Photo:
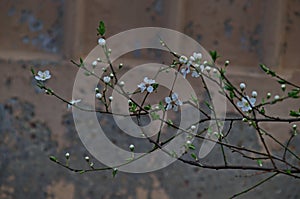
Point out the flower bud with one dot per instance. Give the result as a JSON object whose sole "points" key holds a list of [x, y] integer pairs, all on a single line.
{"points": [[101, 42], [242, 86], [131, 147]]}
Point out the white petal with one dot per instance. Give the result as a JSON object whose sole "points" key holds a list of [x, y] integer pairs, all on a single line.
{"points": [[47, 72], [174, 96], [168, 100], [240, 104], [252, 101], [175, 108], [169, 107], [178, 102], [150, 89], [38, 78], [40, 73]]}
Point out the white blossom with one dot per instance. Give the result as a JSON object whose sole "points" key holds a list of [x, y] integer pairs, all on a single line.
{"points": [[185, 70], [183, 59], [122, 83], [173, 102], [147, 85], [245, 105], [43, 76]]}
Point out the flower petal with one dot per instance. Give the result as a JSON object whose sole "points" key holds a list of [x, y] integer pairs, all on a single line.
{"points": [[174, 96], [150, 89], [168, 100]]}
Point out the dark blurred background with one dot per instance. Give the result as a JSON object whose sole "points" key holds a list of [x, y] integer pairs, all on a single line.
{"points": [[46, 34]]}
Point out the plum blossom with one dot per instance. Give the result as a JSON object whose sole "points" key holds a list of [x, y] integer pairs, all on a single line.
{"points": [[147, 85], [186, 70], [173, 102], [244, 104], [43, 76], [183, 59]]}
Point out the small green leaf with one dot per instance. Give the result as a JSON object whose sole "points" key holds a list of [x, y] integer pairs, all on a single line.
{"points": [[114, 172], [289, 171], [161, 106], [53, 158], [191, 146], [294, 93], [155, 86], [294, 113], [148, 107], [281, 81], [101, 28], [32, 71], [169, 122], [193, 155], [214, 55], [154, 116], [259, 162]]}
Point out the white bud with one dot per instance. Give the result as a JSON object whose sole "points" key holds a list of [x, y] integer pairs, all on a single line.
{"points": [[131, 147], [193, 127], [268, 95], [208, 68], [96, 89], [67, 155], [106, 79], [205, 62], [101, 42], [94, 63], [242, 86], [87, 158], [110, 98], [295, 126], [254, 94], [109, 50], [122, 83], [244, 120], [111, 75], [99, 59], [283, 87], [98, 95], [227, 62], [215, 70], [276, 97], [188, 142]]}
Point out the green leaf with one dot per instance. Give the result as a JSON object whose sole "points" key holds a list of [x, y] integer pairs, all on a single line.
{"points": [[32, 71], [281, 81], [101, 28], [194, 156], [194, 99], [161, 106], [191, 146], [289, 171], [267, 70], [169, 122], [154, 116], [148, 107], [114, 172], [294, 93], [82, 171], [259, 162], [155, 86], [294, 113], [214, 55], [208, 105], [53, 158]]}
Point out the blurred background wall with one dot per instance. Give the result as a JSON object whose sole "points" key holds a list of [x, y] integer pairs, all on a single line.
{"points": [[46, 34]]}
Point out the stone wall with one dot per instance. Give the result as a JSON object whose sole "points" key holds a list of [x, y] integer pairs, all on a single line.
{"points": [[46, 34]]}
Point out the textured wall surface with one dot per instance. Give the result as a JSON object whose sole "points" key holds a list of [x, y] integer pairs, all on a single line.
{"points": [[46, 34]]}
